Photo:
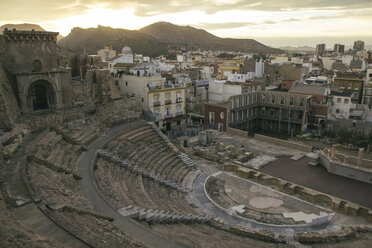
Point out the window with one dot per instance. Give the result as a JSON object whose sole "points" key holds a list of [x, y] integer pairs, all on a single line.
{"points": [[179, 97], [222, 115], [281, 99], [300, 115], [338, 100], [273, 99], [314, 99], [272, 112], [211, 117], [346, 101], [337, 111], [263, 98], [37, 65], [302, 101], [263, 111], [126, 83], [291, 100], [168, 112], [312, 111]]}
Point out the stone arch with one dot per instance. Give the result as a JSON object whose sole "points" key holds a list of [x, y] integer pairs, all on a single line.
{"points": [[41, 94], [37, 66]]}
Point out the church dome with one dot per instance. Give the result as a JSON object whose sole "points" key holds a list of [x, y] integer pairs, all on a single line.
{"points": [[127, 49]]}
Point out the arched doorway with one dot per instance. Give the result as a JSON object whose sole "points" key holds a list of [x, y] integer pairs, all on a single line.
{"points": [[41, 95]]}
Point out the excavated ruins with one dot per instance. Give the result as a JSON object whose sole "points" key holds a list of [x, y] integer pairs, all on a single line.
{"points": [[80, 167]]}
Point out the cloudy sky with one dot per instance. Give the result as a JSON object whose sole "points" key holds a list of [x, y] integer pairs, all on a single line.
{"points": [[274, 22]]}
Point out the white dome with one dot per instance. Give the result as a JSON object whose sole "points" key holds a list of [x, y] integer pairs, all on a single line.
{"points": [[127, 49]]}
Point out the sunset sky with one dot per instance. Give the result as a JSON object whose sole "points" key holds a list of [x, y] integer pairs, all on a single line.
{"points": [[274, 22]]}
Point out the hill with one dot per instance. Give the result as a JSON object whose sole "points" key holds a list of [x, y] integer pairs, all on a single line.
{"points": [[175, 35], [25, 26], [93, 39], [156, 39]]}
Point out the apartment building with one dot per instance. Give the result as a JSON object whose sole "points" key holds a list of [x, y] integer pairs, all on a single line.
{"points": [[349, 82], [318, 108], [226, 67], [339, 105], [166, 100]]}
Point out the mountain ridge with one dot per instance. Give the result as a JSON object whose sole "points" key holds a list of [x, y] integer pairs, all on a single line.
{"points": [[158, 38]]}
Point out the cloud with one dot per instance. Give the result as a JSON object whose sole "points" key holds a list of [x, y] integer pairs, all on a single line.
{"points": [[227, 25], [45, 9]]}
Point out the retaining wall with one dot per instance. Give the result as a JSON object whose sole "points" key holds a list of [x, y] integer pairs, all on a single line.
{"points": [[285, 143], [339, 168], [233, 131]]}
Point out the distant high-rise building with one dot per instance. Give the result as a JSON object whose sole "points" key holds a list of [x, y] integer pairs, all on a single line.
{"points": [[338, 48], [320, 49], [359, 45]]}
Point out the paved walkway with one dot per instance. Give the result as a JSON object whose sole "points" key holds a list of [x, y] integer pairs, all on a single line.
{"points": [[318, 178], [90, 192]]}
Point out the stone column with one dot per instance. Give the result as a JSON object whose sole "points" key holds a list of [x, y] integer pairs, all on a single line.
{"points": [[333, 152], [203, 138], [360, 157]]}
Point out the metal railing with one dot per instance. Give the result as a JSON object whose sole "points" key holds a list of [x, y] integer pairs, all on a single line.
{"points": [[168, 116], [158, 117], [156, 104], [167, 102]]}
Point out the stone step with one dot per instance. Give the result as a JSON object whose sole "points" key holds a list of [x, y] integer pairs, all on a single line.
{"points": [[138, 170], [152, 216]]}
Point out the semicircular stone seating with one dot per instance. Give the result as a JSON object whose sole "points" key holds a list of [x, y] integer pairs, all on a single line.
{"points": [[138, 171], [50, 175]]}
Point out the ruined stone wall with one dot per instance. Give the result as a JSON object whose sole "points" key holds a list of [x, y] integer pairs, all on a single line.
{"points": [[285, 143], [9, 111], [23, 47], [52, 118], [118, 111]]}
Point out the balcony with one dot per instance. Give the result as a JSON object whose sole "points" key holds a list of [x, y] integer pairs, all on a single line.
{"points": [[158, 117], [179, 113], [179, 99], [168, 115], [156, 104], [167, 102]]}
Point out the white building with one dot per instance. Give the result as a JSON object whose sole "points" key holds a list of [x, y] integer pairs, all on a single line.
{"points": [[240, 77], [259, 68], [340, 106], [144, 69], [125, 57], [207, 72], [367, 88], [318, 80], [328, 62], [220, 91]]}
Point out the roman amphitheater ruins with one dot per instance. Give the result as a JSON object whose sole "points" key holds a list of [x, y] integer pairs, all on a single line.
{"points": [[81, 167]]}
